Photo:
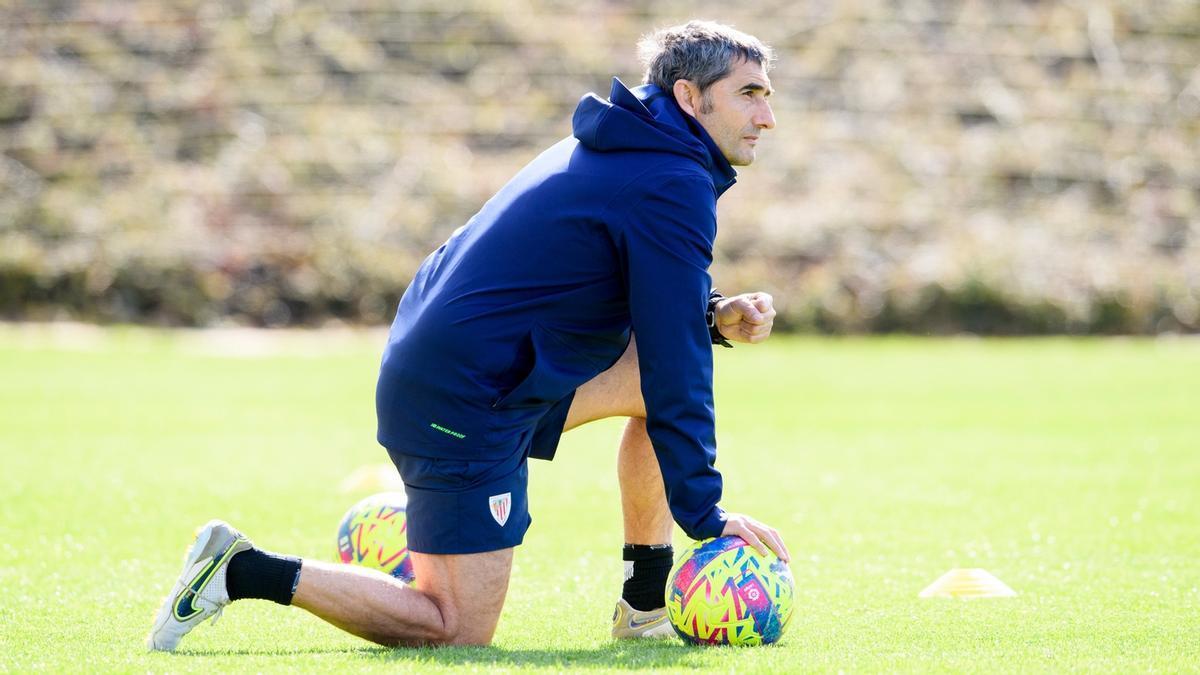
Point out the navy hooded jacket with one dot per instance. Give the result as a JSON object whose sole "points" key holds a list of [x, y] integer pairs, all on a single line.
{"points": [[607, 231]]}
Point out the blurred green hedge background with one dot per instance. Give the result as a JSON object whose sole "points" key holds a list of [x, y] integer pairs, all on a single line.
{"points": [[939, 166]]}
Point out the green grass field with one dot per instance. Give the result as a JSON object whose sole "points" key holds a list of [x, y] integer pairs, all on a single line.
{"points": [[1070, 469]]}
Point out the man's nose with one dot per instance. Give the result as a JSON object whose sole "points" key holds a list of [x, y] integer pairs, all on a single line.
{"points": [[764, 117]]}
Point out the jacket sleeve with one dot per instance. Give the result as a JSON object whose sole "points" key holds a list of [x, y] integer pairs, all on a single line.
{"points": [[667, 245]]}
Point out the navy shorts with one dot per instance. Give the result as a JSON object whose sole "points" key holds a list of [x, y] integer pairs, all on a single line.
{"points": [[472, 506]]}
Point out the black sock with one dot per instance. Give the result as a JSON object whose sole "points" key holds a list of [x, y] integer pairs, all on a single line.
{"points": [[259, 574], [646, 570]]}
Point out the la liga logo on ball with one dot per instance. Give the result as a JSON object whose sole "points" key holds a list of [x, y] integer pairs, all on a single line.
{"points": [[723, 592], [374, 533]]}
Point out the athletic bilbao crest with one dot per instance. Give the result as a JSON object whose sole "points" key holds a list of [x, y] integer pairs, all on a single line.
{"points": [[500, 507]]}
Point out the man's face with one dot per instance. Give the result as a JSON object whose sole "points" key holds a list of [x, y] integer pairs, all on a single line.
{"points": [[734, 111]]}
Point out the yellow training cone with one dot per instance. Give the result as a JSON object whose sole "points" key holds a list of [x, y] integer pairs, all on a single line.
{"points": [[967, 583]]}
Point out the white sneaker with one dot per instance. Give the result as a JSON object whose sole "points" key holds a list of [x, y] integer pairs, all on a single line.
{"points": [[200, 592], [630, 623]]}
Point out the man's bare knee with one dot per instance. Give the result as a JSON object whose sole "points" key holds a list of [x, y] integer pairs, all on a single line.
{"points": [[468, 591], [455, 631], [452, 631]]}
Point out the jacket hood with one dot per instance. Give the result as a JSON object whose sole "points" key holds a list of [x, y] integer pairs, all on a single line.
{"points": [[647, 118]]}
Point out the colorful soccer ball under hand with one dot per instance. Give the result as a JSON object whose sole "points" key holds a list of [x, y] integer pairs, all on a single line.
{"points": [[723, 592], [374, 533]]}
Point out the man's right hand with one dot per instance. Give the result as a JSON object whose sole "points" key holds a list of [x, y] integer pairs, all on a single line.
{"points": [[757, 534]]}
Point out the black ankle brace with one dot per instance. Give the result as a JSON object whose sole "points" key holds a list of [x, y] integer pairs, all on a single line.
{"points": [[646, 570]]}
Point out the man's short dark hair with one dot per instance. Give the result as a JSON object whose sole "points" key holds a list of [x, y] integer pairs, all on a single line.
{"points": [[701, 52]]}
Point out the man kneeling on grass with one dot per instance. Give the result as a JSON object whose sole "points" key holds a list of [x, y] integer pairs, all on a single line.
{"points": [[580, 291]]}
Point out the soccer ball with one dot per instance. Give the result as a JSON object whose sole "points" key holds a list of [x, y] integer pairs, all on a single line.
{"points": [[723, 592], [373, 533]]}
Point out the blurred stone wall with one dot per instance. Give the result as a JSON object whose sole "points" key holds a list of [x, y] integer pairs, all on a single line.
{"points": [[939, 166]]}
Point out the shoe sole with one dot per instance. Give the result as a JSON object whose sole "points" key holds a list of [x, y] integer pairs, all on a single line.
{"points": [[656, 632], [625, 626]]}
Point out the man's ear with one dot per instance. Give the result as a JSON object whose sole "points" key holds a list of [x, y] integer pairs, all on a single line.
{"points": [[687, 95]]}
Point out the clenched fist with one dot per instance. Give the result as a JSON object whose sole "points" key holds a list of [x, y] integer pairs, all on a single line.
{"points": [[746, 318]]}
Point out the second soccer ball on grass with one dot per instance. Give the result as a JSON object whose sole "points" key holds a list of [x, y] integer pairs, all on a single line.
{"points": [[374, 533]]}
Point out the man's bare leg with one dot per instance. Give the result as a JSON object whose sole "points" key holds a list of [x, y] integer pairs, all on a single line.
{"points": [[647, 518], [617, 392], [455, 600], [643, 499]]}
